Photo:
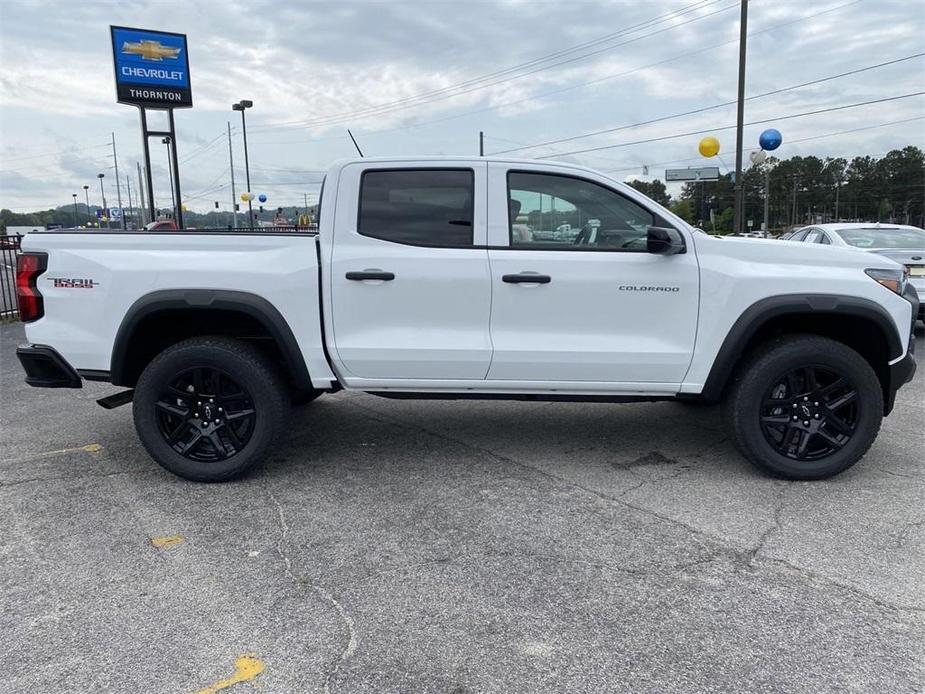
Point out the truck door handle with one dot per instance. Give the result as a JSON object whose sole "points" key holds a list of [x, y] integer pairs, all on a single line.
{"points": [[371, 275], [526, 277]]}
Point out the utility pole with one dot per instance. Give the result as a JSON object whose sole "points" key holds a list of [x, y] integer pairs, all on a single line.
{"points": [[793, 213], [767, 198], [234, 196], [739, 207], [87, 198], [128, 188], [115, 160], [481, 143], [74, 195], [837, 190], [143, 216]]}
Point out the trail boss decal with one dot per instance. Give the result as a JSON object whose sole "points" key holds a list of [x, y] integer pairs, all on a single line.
{"points": [[73, 283]]}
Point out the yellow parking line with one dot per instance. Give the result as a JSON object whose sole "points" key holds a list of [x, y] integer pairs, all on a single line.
{"points": [[167, 541], [246, 668]]}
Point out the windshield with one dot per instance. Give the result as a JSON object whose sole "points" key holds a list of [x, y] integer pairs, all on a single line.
{"points": [[883, 238]]}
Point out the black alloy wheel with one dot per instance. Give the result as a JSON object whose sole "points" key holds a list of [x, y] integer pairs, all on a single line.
{"points": [[803, 407], [205, 415], [810, 413], [210, 408]]}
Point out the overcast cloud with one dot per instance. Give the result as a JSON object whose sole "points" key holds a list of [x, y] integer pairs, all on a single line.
{"points": [[314, 69]]}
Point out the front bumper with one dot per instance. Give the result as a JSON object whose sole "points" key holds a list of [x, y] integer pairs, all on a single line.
{"points": [[45, 368], [919, 285], [904, 370]]}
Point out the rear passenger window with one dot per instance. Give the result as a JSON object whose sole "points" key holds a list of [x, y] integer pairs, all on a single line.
{"points": [[420, 207]]}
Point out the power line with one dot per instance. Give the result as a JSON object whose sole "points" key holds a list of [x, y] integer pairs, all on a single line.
{"points": [[730, 127], [581, 85], [458, 90], [710, 108]]}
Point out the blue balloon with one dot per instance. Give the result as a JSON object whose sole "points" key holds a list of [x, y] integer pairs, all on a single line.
{"points": [[262, 197], [770, 139]]}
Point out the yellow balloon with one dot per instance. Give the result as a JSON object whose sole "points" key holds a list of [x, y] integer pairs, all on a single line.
{"points": [[245, 197], [709, 147]]}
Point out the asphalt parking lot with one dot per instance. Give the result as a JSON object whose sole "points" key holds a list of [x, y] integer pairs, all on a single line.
{"points": [[403, 546]]}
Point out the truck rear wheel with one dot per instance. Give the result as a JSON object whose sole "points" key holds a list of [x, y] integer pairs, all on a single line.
{"points": [[804, 407], [208, 409]]}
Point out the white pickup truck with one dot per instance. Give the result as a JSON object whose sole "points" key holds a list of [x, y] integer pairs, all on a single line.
{"points": [[451, 278]]}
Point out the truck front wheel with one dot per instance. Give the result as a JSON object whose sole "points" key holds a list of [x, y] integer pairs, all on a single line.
{"points": [[208, 408], [804, 407]]}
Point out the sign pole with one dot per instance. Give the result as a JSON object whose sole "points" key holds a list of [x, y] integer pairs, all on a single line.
{"points": [[147, 152], [176, 168]]}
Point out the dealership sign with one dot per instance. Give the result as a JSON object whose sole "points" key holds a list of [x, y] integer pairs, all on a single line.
{"points": [[152, 68]]}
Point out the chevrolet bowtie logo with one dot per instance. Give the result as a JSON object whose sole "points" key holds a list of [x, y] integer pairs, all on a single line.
{"points": [[150, 50]]}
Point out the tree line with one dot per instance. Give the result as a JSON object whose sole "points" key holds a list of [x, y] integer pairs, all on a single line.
{"points": [[807, 190]]}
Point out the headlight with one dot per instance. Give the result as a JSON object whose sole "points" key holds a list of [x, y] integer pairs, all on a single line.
{"points": [[894, 280]]}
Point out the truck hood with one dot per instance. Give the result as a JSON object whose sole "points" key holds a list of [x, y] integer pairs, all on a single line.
{"points": [[792, 253]]}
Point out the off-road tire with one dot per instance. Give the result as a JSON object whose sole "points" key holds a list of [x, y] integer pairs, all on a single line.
{"points": [[747, 402], [241, 364]]}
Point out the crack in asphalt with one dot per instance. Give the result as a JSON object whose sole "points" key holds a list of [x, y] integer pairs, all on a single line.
{"points": [[773, 528], [738, 557], [301, 583]]}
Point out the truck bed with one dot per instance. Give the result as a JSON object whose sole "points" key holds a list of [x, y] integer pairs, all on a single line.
{"points": [[94, 280]]}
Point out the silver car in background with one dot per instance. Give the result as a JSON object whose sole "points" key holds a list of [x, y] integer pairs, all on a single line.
{"points": [[902, 243]]}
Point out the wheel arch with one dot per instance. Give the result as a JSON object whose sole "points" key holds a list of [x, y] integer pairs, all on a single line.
{"points": [[859, 323], [203, 309]]}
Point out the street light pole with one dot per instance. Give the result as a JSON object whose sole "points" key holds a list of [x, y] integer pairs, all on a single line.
{"points": [[87, 197], [739, 207], [74, 195], [103, 195], [241, 106]]}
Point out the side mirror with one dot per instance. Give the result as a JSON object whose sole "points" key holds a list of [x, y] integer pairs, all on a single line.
{"points": [[665, 241]]}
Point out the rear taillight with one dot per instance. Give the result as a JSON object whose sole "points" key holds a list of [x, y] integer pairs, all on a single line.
{"points": [[28, 268]]}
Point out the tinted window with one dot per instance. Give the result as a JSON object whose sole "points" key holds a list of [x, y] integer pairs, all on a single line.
{"points": [[549, 211], [824, 239], [422, 207], [799, 235]]}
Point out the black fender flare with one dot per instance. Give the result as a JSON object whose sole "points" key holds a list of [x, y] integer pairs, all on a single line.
{"points": [[204, 299], [772, 307]]}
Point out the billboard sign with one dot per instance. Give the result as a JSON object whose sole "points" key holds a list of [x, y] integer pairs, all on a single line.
{"points": [[705, 173], [152, 68]]}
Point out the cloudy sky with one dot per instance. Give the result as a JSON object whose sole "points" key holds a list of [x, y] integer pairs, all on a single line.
{"points": [[424, 78]]}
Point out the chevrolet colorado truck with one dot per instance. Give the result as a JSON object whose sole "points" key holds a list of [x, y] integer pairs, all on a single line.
{"points": [[470, 278]]}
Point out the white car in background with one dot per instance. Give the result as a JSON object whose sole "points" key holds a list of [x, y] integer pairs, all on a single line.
{"points": [[902, 243]]}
